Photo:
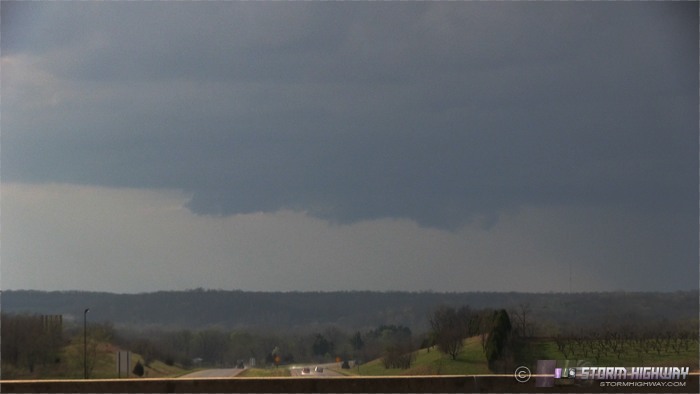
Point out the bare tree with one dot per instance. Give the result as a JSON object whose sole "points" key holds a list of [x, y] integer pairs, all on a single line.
{"points": [[399, 355], [449, 330], [522, 320], [30, 340]]}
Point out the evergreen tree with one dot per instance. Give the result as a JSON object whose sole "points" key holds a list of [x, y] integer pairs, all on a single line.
{"points": [[356, 341], [498, 339], [138, 369]]}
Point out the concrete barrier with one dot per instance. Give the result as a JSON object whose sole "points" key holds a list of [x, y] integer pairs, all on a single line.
{"points": [[413, 384]]}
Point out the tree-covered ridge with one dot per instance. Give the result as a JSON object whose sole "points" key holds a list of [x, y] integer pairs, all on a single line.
{"points": [[352, 310]]}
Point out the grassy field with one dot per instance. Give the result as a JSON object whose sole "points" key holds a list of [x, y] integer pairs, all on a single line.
{"points": [[265, 372], [106, 368], [70, 365], [471, 360]]}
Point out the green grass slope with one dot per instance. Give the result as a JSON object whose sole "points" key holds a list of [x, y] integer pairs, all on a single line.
{"points": [[471, 359], [70, 365]]}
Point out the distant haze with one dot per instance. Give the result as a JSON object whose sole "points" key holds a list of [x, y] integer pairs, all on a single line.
{"points": [[469, 146], [352, 310]]}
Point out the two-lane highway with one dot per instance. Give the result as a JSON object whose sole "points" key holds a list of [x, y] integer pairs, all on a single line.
{"points": [[314, 371], [214, 373]]}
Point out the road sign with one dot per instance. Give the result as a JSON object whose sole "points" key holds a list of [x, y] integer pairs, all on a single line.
{"points": [[123, 363]]}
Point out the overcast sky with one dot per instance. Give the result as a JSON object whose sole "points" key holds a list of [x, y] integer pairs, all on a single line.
{"points": [[465, 146]]}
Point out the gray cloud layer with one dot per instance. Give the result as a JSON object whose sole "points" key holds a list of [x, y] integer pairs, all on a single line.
{"points": [[432, 112]]}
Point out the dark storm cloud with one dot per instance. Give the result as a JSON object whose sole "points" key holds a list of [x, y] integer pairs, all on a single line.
{"points": [[433, 112]]}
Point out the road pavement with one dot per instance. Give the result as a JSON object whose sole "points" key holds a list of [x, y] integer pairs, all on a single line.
{"points": [[297, 370], [214, 373]]}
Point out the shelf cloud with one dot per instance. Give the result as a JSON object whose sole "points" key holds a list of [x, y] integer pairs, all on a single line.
{"points": [[448, 115]]}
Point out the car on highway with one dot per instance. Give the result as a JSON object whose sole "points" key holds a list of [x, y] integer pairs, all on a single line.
{"points": [[306, 371], [318, 369]]}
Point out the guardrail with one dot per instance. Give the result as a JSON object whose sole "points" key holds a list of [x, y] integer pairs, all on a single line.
{"points": [[412, 384]]}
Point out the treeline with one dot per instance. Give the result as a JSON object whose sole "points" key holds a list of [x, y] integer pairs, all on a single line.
{"points": [[29, 342], [356, 310], [40, 345]]}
